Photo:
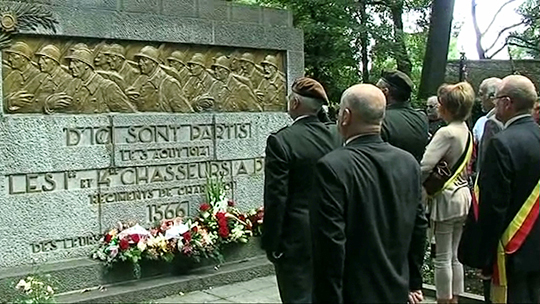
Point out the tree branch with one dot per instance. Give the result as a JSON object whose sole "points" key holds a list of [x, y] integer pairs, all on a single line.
{"points": [[497, 14], [498, 50], [531, 44], [500, 34], [524, 46], [479, 49]]}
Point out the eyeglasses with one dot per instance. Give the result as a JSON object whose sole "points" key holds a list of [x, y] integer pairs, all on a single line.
{"points": [[499, 97]]}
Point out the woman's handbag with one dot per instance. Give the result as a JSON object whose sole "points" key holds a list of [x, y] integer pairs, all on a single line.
{"points": [[442, 174]]}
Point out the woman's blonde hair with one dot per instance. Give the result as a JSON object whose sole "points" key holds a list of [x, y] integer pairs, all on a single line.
{"points": [[457, 99]]}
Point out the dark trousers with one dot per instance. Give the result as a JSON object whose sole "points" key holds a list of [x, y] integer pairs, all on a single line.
{"points": [[295, 280], [487, 291], [523, 287]]}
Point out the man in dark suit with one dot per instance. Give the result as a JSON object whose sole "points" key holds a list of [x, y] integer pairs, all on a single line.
{"points": [[291, 154], [407, 129], [368, 193], [508, 175], [403, 126]]}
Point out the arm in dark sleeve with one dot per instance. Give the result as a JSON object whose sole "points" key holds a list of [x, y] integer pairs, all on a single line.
{"points": [[328, 229], [418, 246], [384, 131], [276, 186], [490, 128], [494, 184]]}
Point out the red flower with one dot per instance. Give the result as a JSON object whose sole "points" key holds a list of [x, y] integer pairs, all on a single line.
{"points": [[230, 203], [223, 232], [194, 229], [204, 207], [187, 236], [135, 238], [108, 238], [124, 244]]}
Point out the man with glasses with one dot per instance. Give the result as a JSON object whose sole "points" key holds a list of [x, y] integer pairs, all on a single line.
{"points": [[508, 208]]}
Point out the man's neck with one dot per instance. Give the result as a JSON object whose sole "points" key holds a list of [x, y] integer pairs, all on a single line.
{"points": [[515, 117]]}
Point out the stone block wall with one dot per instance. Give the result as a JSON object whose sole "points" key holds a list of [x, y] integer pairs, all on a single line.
{"points": [[478, 70], [66, 178]]}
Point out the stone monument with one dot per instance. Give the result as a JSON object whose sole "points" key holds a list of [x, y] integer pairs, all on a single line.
{"points": [[117, 110]]}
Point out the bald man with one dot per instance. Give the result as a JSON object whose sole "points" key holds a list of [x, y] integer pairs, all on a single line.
{"points": [[368, 198], [509, 177]]}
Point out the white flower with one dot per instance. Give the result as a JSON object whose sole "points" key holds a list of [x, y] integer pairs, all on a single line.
{"points": [[50, 290], [141, 246], [21, 284]]}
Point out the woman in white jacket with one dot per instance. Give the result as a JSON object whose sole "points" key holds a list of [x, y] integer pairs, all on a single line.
{"points": [[449, 207]]}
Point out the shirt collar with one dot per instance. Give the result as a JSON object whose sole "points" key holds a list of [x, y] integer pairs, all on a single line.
{"points": [[352, 138], [90, 84], [366, 138], [300, 117], [513, 119], [27, 72], [491, 113]]}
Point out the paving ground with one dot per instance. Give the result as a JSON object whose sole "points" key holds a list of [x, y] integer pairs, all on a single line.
{"points": [[260, 290]]}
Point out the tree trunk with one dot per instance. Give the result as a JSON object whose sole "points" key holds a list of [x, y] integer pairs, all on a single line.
{"points": [[479, 48], [434, 67], [400, 54], [364, 43]]}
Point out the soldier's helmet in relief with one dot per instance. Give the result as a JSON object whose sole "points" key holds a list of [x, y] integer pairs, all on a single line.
{"points": [[222, 61], [270, 60], [176, 56], [50, 51], [116, 49], [20, 48], [82, 55], [149, 52], [198, 59], [248, 57]]}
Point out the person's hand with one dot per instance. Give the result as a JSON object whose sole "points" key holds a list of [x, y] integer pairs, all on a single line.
{"points": [[132, 94], [59, 100], [273, 256], [424, 195], [19, 99], [415, 297]]}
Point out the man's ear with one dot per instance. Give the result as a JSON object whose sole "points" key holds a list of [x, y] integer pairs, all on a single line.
{"points": [[295, 103], [346, 118]]}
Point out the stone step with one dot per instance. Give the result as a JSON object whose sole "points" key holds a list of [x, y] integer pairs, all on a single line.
{"points": [[84, 273], [163, 286]]}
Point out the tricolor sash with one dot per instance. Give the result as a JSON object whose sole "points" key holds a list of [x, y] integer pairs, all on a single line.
{"points": [[513, 237]]}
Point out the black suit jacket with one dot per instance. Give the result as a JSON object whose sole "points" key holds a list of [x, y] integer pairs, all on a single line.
{"points": [[406, 128], [368, 195], [509, 172], [291, 155]]}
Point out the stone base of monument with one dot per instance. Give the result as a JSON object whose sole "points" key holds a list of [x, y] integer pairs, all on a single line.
{"points": [[87, 280]]}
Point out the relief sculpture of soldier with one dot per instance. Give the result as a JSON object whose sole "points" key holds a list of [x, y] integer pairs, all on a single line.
{"points": [[176, 62], [271, 91], [200, 80], [250, 70], [100, 60], [92, 94], [55, 80], [115, 55], [155, 90], [23, 79], [228, 93]]}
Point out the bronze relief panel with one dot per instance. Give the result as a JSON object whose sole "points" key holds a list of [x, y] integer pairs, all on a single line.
{"points": [[90, 76]]}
